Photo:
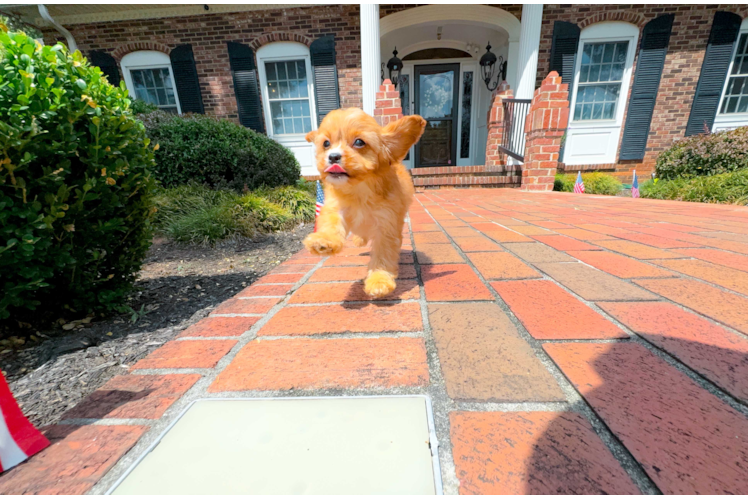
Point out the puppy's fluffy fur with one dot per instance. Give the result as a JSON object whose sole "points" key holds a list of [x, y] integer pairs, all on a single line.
{"points": [[371, 198]]}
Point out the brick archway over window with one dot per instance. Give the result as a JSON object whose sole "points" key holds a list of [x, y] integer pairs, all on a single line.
{"points": [[614, 15], [125, 49], [279, 36]]}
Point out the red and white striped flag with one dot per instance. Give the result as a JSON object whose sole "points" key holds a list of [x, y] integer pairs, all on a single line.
{"points": [[579, 185], [19, 439], [320, 204], [635, 187]]}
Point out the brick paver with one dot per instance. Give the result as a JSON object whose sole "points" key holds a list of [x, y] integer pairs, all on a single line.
{"points": [[220, 326], [439, 253], [501, 266], [246, 306], [325, 363], [186, 354], [591, 284], [76, 460], [570, 268], [537, 252], [733, 260], [484, 358], [725, 307], [619, 265], [719, 355], [719, 275], [688, 441], [453, 282], [311, 320], [313, 293], [536, 453], [549, 312], [134, 396]]}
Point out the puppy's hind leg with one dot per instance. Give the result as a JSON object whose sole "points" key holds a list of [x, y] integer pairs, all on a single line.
{"points": [[384, 263]]}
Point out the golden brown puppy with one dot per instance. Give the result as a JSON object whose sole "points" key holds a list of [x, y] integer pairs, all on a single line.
{"points": [[367, 190]]}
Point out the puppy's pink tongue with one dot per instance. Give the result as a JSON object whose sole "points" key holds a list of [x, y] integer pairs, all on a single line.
{"points": [[335, 169]]}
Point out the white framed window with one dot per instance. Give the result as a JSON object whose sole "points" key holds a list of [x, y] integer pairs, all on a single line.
{"points": [[288, 96], [600, 79], [602, 76], [733, 106], [287, 89], [150, 78]]}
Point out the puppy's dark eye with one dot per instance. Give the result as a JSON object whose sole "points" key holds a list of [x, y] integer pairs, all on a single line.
{"points": [[358, 143], [326, 144]]}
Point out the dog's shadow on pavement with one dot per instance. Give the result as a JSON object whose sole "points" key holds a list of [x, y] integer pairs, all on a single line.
{"points": [[407, 289], [683, 438]]}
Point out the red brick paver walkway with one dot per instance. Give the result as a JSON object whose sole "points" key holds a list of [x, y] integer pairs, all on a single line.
{"points": [[569, 344]]}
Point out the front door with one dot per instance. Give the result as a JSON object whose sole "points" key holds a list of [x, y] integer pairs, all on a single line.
{"points": [[436, 100]]}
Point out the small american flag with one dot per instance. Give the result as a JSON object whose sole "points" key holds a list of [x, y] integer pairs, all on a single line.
{"points": [[320, 203], [579, 185], [635, 187], [19, 439]]}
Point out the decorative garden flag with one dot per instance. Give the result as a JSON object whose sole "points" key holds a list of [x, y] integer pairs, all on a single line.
{"points": [[19, 439], [635, 187], [579, 185], [320, 203]]}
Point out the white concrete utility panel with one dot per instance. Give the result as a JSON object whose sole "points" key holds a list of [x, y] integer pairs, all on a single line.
{"points": [[347, 445]]}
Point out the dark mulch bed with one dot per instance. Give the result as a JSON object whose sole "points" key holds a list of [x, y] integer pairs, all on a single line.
{"points": [[178, 286]]}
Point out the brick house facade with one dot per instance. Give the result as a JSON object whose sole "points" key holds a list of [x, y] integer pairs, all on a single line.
{"points": [[208, 33]]}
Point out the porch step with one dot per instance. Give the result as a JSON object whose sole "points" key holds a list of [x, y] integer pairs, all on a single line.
{"points": [[463, 177], [476, 176], [474, 169]]}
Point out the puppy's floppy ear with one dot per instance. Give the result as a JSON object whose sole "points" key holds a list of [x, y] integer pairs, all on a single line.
{"points": [[311, 136], [399, 136]]}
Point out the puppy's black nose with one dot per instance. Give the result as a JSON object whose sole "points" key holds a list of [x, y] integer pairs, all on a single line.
{"points": [[334, 157]]}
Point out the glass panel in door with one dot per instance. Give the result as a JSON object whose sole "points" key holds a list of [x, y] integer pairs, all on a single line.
{"points": [[436, 92]]}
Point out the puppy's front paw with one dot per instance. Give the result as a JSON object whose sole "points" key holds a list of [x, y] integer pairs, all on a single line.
{"points": [[322, 244], [379, 284]]}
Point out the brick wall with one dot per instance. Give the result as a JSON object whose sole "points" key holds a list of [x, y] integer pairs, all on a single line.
{"points": [[209, 33], [546, 124], [680, 74]]}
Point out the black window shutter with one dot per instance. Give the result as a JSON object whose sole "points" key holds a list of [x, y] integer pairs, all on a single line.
{"points": [[322, 53], [106, 64], [564, 56], [185, 78], [725, 28], [564, 51], [652, 52], [244, 73]]}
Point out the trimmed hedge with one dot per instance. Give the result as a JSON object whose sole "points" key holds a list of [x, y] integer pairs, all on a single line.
{"points": [[594, 183], [75, 185], [219, 153], [706, 154]]}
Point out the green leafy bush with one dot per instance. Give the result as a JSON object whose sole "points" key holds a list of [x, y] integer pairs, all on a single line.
{"points": [[731, 188], [594, 183], [141, 107], [75, 187], [216, 152], [564, 182], [706, 154], [194, 213]]}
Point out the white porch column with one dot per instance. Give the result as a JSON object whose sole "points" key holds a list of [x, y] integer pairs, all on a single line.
{"points": [[529, 42], [370, 55]]}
